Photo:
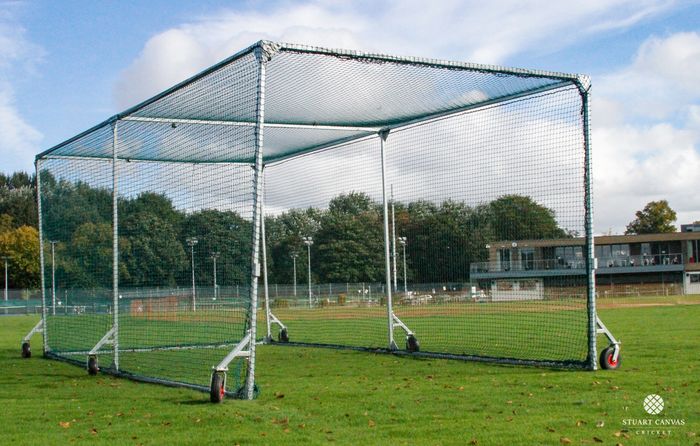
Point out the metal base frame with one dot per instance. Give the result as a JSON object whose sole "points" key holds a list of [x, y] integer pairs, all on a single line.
{"points": [[602, 329], [398, 323], [38, 328], [273, 320]]}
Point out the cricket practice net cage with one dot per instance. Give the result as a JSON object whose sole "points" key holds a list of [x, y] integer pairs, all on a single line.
{"points": [[294, 195]]}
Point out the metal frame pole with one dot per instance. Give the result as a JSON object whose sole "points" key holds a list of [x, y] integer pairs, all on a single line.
{"points": [[191, 241], [393, 237], [266, 290], [308, 241], [294, 260], [262, 55], [590, 258], [41, 254], [115, 247], [387, 254], [53, 277]]}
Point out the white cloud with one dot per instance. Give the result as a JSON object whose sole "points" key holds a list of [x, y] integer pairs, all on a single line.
{"points": [[19, 141], [646, 116], [476, 31], [647, 136]]}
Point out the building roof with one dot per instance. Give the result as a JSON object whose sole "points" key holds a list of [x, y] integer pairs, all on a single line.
{"points": [[314, 98]]}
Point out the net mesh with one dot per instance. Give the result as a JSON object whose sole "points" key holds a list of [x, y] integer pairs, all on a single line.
{"points": [[484, 170]]}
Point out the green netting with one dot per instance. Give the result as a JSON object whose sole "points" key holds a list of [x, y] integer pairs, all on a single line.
{"points": [[483, 173]]}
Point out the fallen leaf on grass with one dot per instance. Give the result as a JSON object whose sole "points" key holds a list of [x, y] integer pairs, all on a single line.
{"points": [[474, 441], [580, 423], [371, 423], [550, 429], [564, 440], [597, 440], [279, 395], [64, 424], [600, 423], [93, 431]]}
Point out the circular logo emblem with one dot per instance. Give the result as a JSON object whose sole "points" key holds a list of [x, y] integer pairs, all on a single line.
{"points": [[653, 404]]}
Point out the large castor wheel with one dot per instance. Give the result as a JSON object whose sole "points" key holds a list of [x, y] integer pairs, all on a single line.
{"points": [[606, 358], [217, 392], [92, 365], [26, 350], [412, 344], [283, 336]]}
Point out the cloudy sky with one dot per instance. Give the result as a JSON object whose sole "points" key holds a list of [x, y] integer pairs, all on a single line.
{"points": [[65, 66]]}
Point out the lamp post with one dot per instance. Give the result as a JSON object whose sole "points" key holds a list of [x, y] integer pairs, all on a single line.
{"points": [[308, 241], [215, 255], [294, 260], [191, 241], [6, 258], [53, 276], [402, 242]]}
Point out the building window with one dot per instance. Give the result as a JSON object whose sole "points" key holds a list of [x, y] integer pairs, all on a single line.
{"points": [[527, 258], [695, 278], [504, 259]]}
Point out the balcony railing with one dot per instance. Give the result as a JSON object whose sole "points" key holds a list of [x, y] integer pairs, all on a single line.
{"points": [[579, 264]]}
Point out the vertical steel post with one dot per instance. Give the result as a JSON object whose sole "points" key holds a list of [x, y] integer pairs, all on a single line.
{"points": [[387, 254], [266, 289], [37, 169], [405, 279], [584, 88], [115, 247], [262, 55], [393, 236], [215, 293], [294, 260], [308, 257], [53, 277]]}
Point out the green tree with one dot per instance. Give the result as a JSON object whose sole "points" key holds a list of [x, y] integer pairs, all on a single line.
{"points": [[21, 245], [284, 234], [657, 217], [349, 244], [224, 232], [516, 217], [18, 199]]}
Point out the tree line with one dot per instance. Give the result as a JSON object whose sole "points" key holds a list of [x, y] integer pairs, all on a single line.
{"points": [[443, 239]]}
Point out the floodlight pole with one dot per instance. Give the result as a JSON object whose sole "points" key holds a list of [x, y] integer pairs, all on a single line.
{"points": [[393, 235], [294, 262], [6, 258], [308, 241], [53, 276], [402, 241], [390, 312], [215, 255], [191, 241]]}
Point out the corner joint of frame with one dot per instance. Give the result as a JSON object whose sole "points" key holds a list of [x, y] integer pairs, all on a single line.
{"points": [[583, 82], [265, 50], [384, 134]]}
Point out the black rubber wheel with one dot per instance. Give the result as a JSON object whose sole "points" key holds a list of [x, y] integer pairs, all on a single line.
{"points": [[412, 344], [283, 336], [26, 350], [92, 366], [606, 359], [217, 390]]}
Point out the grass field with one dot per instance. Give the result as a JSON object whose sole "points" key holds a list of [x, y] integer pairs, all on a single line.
{"points": [[318, 396]]}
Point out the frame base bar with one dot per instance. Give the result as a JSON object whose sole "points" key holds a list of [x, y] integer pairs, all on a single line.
{"points": [[602, 329], [107, 339], [38, 328], [242, 349]]}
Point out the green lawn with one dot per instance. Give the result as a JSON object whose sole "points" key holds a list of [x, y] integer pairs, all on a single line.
{"points": [[317, 396]]}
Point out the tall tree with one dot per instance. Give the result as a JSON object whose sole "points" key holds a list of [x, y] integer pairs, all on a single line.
{"points": [[657, 217], [516, 217], [349, 245], [21, 245]]}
